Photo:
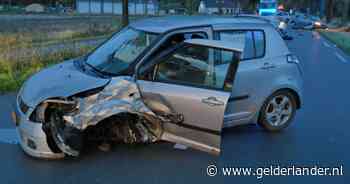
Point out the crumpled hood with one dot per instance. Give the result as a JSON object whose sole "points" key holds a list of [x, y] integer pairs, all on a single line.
{"points": [[61, 80]]}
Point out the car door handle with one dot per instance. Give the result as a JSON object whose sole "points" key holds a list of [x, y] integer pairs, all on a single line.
{"points": [[212, 101]]}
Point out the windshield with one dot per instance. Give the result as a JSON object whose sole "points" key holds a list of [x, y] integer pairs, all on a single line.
{"points": [[120, 51], [268, 5]]}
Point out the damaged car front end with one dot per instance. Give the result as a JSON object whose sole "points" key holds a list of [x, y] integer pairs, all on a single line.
{"points": [[57, 125], [115, 111]]}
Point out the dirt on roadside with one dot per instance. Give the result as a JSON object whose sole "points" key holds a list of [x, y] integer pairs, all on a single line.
{"points": [[340, 29]]}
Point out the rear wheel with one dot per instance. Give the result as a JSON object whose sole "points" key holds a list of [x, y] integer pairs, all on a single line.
{"points": [[278, 111]]}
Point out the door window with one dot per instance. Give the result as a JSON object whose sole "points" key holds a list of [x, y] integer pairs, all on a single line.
{"points": [[177, 38], [194, 65], [254, 42]]}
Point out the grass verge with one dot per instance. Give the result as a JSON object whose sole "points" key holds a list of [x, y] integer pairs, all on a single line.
{"points": [[341, 39]]}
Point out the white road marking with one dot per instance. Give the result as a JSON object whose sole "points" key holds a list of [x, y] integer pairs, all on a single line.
{"points": [[340, 57], [316, 35], [8, 136], [326, 44]]}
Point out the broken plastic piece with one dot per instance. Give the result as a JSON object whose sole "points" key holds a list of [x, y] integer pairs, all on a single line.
{"points": [[180, 147]]}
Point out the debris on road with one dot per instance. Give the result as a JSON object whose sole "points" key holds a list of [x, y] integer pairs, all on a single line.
{"points": [[180, 147]]}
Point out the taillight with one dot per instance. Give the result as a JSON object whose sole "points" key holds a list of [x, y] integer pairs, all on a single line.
{"points": [[292, 59]]}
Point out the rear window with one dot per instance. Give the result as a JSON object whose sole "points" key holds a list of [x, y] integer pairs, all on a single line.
{"points": [[254, 41]]}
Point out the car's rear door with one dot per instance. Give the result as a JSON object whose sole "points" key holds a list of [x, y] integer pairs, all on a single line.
{"points": [[190, 88], [253, 73]]}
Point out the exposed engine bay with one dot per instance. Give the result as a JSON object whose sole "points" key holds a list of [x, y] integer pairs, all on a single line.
{"points": [[113, 114]]}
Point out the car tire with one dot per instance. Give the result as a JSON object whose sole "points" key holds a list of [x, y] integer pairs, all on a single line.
{"points": [[278, 111]]}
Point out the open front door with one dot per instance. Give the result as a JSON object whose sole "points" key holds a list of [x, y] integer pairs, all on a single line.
{"points": [[190, 88]]}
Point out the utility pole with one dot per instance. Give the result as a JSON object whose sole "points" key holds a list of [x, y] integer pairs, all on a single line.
{"points": [[146, 7], [125, 16], [89, 8], [322, 8], [346, 10], [330, 12], [220, 4], [236, 7], [135, 7], [112, 7], [102, 7]]}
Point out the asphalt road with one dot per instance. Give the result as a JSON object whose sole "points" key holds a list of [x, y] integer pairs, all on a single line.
{"points": [[318, 136]]}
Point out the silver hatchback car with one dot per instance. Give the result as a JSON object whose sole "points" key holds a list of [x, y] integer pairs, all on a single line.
{"points": [[179, 79]]}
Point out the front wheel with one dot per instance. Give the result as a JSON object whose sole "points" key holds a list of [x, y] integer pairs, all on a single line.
{"points": [[278, 111]]}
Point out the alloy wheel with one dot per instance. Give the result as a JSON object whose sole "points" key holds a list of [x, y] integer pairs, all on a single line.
{"points": [[278, 110]]}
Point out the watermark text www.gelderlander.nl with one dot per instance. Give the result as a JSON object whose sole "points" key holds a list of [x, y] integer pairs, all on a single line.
{"points": [[260, 172]]}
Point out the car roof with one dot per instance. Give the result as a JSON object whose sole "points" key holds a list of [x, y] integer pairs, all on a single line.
{"points": [[167, 23], [232, 46]]}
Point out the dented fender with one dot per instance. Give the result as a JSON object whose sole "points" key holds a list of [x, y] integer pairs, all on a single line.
{"points": [[121, 95]]}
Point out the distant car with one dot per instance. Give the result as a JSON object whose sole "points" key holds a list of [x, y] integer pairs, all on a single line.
{"points": [[318, 23], [180, 79]]}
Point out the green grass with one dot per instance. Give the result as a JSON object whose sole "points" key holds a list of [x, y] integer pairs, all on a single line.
{"points": [[19, 31], [24, 40], [30, 44], [341, 39], [13, 73]]}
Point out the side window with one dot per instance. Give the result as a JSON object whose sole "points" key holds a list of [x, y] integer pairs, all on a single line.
{"points": [[254, 42], [180, 37], [195, 35], [192, 65]]}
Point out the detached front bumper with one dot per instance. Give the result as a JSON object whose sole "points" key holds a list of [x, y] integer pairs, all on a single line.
{"points": [[32, 138]]}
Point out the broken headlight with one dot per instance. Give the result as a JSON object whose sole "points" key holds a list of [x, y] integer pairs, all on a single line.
{"points": [[67, 106], [42, 110]]}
